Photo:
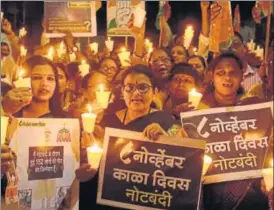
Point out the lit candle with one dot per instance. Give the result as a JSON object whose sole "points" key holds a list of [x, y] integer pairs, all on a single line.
{"points": [[188, 35], [23, 51], [88, 120], [259, 52], [102, 96], [251, 45], [22, 32], [94, 154], [50, 53], [195, 50], [124, 57], [109, 44], [22, 82], [94, 47], [72, 57], [207, 163], [268, 176], [194, 97], [84, 68], [4, 127]]}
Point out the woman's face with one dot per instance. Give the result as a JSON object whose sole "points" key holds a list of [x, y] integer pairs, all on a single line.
{"points": [[161, 64], [109, 68], [180, 85], [227, 77], [138, 92], [197, 64], [62, 80], [43, 82], [93, 85], [178, 54]]}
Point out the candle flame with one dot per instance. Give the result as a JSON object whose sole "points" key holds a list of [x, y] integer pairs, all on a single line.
{"points": [[21, 73], [189, 28], [62, 45], [123, 49], [207, 159], [195, 49], [150, 50], [147, 41], [83, 62], [50, 52], [101, 88], [193, 90], [95, 148], [89, 108]]}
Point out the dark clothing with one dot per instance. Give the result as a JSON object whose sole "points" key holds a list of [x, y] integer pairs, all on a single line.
{"points": [[88, 190], [233, 195]]}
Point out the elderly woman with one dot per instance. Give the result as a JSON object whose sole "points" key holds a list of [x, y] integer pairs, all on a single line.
{"points": [[226, 91], [138, 88]]}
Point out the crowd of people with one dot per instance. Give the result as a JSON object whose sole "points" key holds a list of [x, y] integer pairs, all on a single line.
{"points": [[147, 96]]}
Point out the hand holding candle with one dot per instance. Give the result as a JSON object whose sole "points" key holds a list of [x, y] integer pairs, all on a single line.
{"points": [[89, 120], [23, 51], [194, 97], [94, 47], [124, 57], [103, 96], [22, 82], [207, 163], [94, 154], [268, 176], [84, 68]]}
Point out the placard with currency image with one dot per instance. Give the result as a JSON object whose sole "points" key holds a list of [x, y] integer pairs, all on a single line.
{"points": [[239, 139], [136, 173]]}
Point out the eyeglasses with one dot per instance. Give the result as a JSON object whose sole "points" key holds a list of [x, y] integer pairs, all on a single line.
{"points": [[161, 59], [142, 88]]}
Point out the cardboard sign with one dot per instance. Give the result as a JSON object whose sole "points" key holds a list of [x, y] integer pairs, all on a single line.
{"points": [[165, 174], [238, 139], [48, 153], [118, 16], [76, 17]]}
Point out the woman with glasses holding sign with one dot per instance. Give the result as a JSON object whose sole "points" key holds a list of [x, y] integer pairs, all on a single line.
{"points": [[138, 89]]}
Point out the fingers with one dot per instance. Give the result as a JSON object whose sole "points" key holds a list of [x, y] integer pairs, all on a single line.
{"points": [[154, 131]]}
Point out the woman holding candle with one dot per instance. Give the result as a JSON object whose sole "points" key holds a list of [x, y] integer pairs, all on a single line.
{"points": [[227, 71], [109, 67], [183, 79], [138, 88]]}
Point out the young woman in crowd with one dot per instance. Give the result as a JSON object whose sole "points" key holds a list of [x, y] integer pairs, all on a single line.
{"points": [[138, 90], [183, 79], [227, 71], [179, 54]]}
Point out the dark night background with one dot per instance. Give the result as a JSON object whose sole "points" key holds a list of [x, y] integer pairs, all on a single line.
{"points": [[186, 10]]}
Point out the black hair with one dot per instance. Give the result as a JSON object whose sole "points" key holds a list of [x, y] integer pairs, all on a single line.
{"points": [[140, 69], [86, 78], [73, 69], [162, 49], [63, 68], [226, 55], [115, 61], [185, 50], [185, 68], [54, 103], [4, 43], [200, 58]]}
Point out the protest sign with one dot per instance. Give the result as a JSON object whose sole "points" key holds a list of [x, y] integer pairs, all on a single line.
{"points": [[118, 16], [76, 17], [238, 139], [139, 174], [47, 156]]}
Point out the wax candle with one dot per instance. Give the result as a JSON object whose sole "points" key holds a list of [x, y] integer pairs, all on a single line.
{"points": [[207, 163], [4, 126], [268, 176], [89, 120], [22, 32], [251, 45], [124, 57], [61, 50], [94, 154], [72, 57], [194, 97], [23, 51], [50, 53], [84, 68], [103, 96], [260, 52], [188, 35], [109, 44], [94, 47], [22, 82]]}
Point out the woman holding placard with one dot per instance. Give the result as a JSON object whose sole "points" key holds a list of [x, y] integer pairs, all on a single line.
{"points": [[227, 71], [138, 89]]}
